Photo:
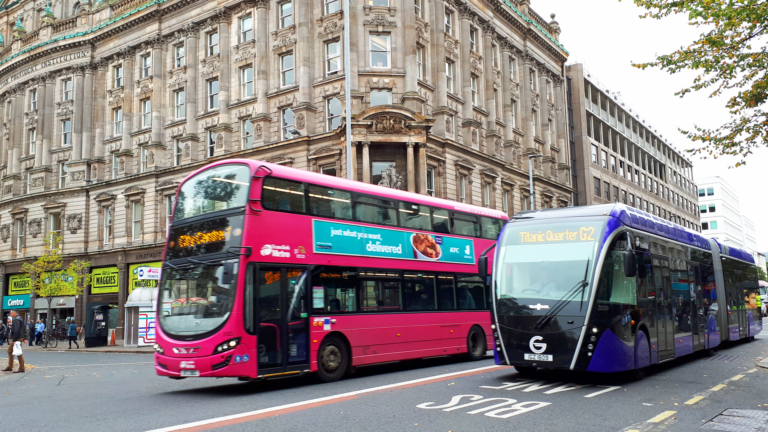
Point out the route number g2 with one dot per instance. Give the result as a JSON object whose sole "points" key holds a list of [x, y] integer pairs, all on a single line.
{"points": [[587, 233]]}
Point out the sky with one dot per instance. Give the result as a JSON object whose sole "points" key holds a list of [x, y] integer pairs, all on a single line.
{"points": [[607, 36]]}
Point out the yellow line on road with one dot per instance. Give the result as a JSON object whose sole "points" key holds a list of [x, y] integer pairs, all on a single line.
{"points": [[753, 370], [737, 377], [717, 387], [694, 400], [662, 416]]}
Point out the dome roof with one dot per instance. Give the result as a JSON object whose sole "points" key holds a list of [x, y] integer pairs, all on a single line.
{"points": [[142, 296]]}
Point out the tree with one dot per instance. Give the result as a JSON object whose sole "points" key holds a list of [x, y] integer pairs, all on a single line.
{"points": [[51, 278], [761, 273], [728, 57]]}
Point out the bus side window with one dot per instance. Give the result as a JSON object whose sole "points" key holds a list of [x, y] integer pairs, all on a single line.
{"points": [[470, 292], [441, 221], [329, 202], [283, 195], [419, 291], [380, 296], [334, 290], [415, 216], [446, 296], [375, 211], [491, 227], [466, 225]]}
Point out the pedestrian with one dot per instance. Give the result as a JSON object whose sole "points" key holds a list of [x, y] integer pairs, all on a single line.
{"points": [[3, 331], [72, 332], [17, 334], [39, 330], [31, 331]]}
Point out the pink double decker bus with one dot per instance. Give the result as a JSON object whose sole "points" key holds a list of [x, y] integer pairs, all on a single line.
{"points": [[270, 271]]}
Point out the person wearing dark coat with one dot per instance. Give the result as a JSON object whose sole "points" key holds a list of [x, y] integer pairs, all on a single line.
{"points": [[17, 333]]}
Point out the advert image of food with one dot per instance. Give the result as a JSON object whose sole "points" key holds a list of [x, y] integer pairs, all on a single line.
{"points": [[425, 245]]}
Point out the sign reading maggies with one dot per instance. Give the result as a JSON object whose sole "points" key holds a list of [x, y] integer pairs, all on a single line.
{"points": [[64, 58], [105, 280], [19, 284]]}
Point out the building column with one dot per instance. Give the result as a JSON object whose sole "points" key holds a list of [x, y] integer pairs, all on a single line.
{"points": [[3, 140], [225, 47], [467, 14], [526, 107], [77, 116], [411, 98], [366, 162], [192, 33], [159, 102], [100, 101], [18, 130], [354, 160], [546, 131], [49, 119], [561, 124], [506, 90], [262, 60], [423, 168], [122, 296], [441, 97], [410, 166], [40, 123], [128, 114], [489, 31], [88, 113]]}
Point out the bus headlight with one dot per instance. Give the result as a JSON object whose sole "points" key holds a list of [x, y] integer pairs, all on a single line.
{"points": [[493, 326], [595, 330], [227, 346], [158, 349]]}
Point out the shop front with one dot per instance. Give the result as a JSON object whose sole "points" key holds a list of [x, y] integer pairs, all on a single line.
{"points": [[62, 309], [20, 303], [101, 308]]}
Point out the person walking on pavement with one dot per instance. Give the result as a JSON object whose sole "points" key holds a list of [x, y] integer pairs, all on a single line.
{"points": [[31, 331], [3, 331], [39, 330], [17, 334], [72, 332]]}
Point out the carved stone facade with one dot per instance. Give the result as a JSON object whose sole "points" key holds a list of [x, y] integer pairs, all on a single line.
{"points": [[120, 112]]}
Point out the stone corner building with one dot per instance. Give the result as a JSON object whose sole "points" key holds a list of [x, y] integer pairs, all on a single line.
{"points": [[107, 106]]}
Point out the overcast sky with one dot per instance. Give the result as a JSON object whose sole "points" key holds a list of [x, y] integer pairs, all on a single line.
{"points": [[606, 36]]}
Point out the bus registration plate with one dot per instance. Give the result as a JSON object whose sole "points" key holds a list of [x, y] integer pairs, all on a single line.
{"points": [[538, 357], [190, 373]]}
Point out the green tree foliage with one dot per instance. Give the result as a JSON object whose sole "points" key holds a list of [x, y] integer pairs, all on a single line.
{"points": [[51, 278], [761, 274], [729, 57]]}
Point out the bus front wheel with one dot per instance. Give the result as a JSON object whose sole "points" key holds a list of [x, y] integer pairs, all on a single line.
{"points": [[332, 359], [476, 345]]}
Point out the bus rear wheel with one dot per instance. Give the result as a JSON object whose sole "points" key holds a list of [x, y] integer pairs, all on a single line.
{"points": [[332, 359], [476, 345]]}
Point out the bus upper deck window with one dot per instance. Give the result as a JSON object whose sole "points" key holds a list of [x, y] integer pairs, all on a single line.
{"points": [[283, 195], [415, 216]]}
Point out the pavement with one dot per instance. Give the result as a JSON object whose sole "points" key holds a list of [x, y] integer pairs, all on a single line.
{"points": [[96, 391], [64, 346]]}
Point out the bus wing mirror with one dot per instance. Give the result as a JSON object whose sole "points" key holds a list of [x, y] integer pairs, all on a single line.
{"points": [[227, 275], [630, 265], [482, 266]]}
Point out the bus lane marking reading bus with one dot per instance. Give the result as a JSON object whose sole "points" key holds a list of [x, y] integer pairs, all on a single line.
{"points": [[529, 385], [506, 408]]}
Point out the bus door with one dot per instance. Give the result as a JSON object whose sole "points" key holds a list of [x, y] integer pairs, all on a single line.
{"points": [[282, 320], [698, 317], [664, 315], [741, 296]]}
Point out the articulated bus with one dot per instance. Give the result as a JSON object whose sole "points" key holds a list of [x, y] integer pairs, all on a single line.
{"points": [[270, 271], [608, 288]]}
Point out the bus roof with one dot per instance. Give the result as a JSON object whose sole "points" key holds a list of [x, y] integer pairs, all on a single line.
{"points": [[360, 187], [734, 252], [629, 216]]}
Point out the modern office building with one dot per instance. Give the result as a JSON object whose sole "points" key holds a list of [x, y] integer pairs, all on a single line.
{"points": [[107, 106], [620, 157], [722, 217]]}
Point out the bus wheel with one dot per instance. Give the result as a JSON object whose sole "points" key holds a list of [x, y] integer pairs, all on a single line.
{"points": [[710, 352], [476, 345], [332, 359], [639, 374]]}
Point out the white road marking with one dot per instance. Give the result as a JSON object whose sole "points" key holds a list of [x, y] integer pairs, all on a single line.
{"points": [[91, 365], [607, 389], [322, 399]]}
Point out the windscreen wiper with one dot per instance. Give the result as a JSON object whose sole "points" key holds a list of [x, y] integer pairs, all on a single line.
{"points": [[547, 317]]}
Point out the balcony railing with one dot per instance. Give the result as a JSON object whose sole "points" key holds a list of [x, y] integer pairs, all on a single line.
{"points": [[64, 25]]}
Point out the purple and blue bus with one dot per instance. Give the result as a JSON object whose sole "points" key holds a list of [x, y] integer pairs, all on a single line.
{"points": [[609, 288]]}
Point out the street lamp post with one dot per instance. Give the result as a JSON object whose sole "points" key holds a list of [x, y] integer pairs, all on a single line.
{"points": [[531, 157]]}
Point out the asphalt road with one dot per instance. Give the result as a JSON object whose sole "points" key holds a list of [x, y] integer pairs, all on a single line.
{"points": [[71, 391]]}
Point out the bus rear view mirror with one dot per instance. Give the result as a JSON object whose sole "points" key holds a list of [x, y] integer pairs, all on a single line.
{"points": [[227, 274], [630, 264], [482, 266]]}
